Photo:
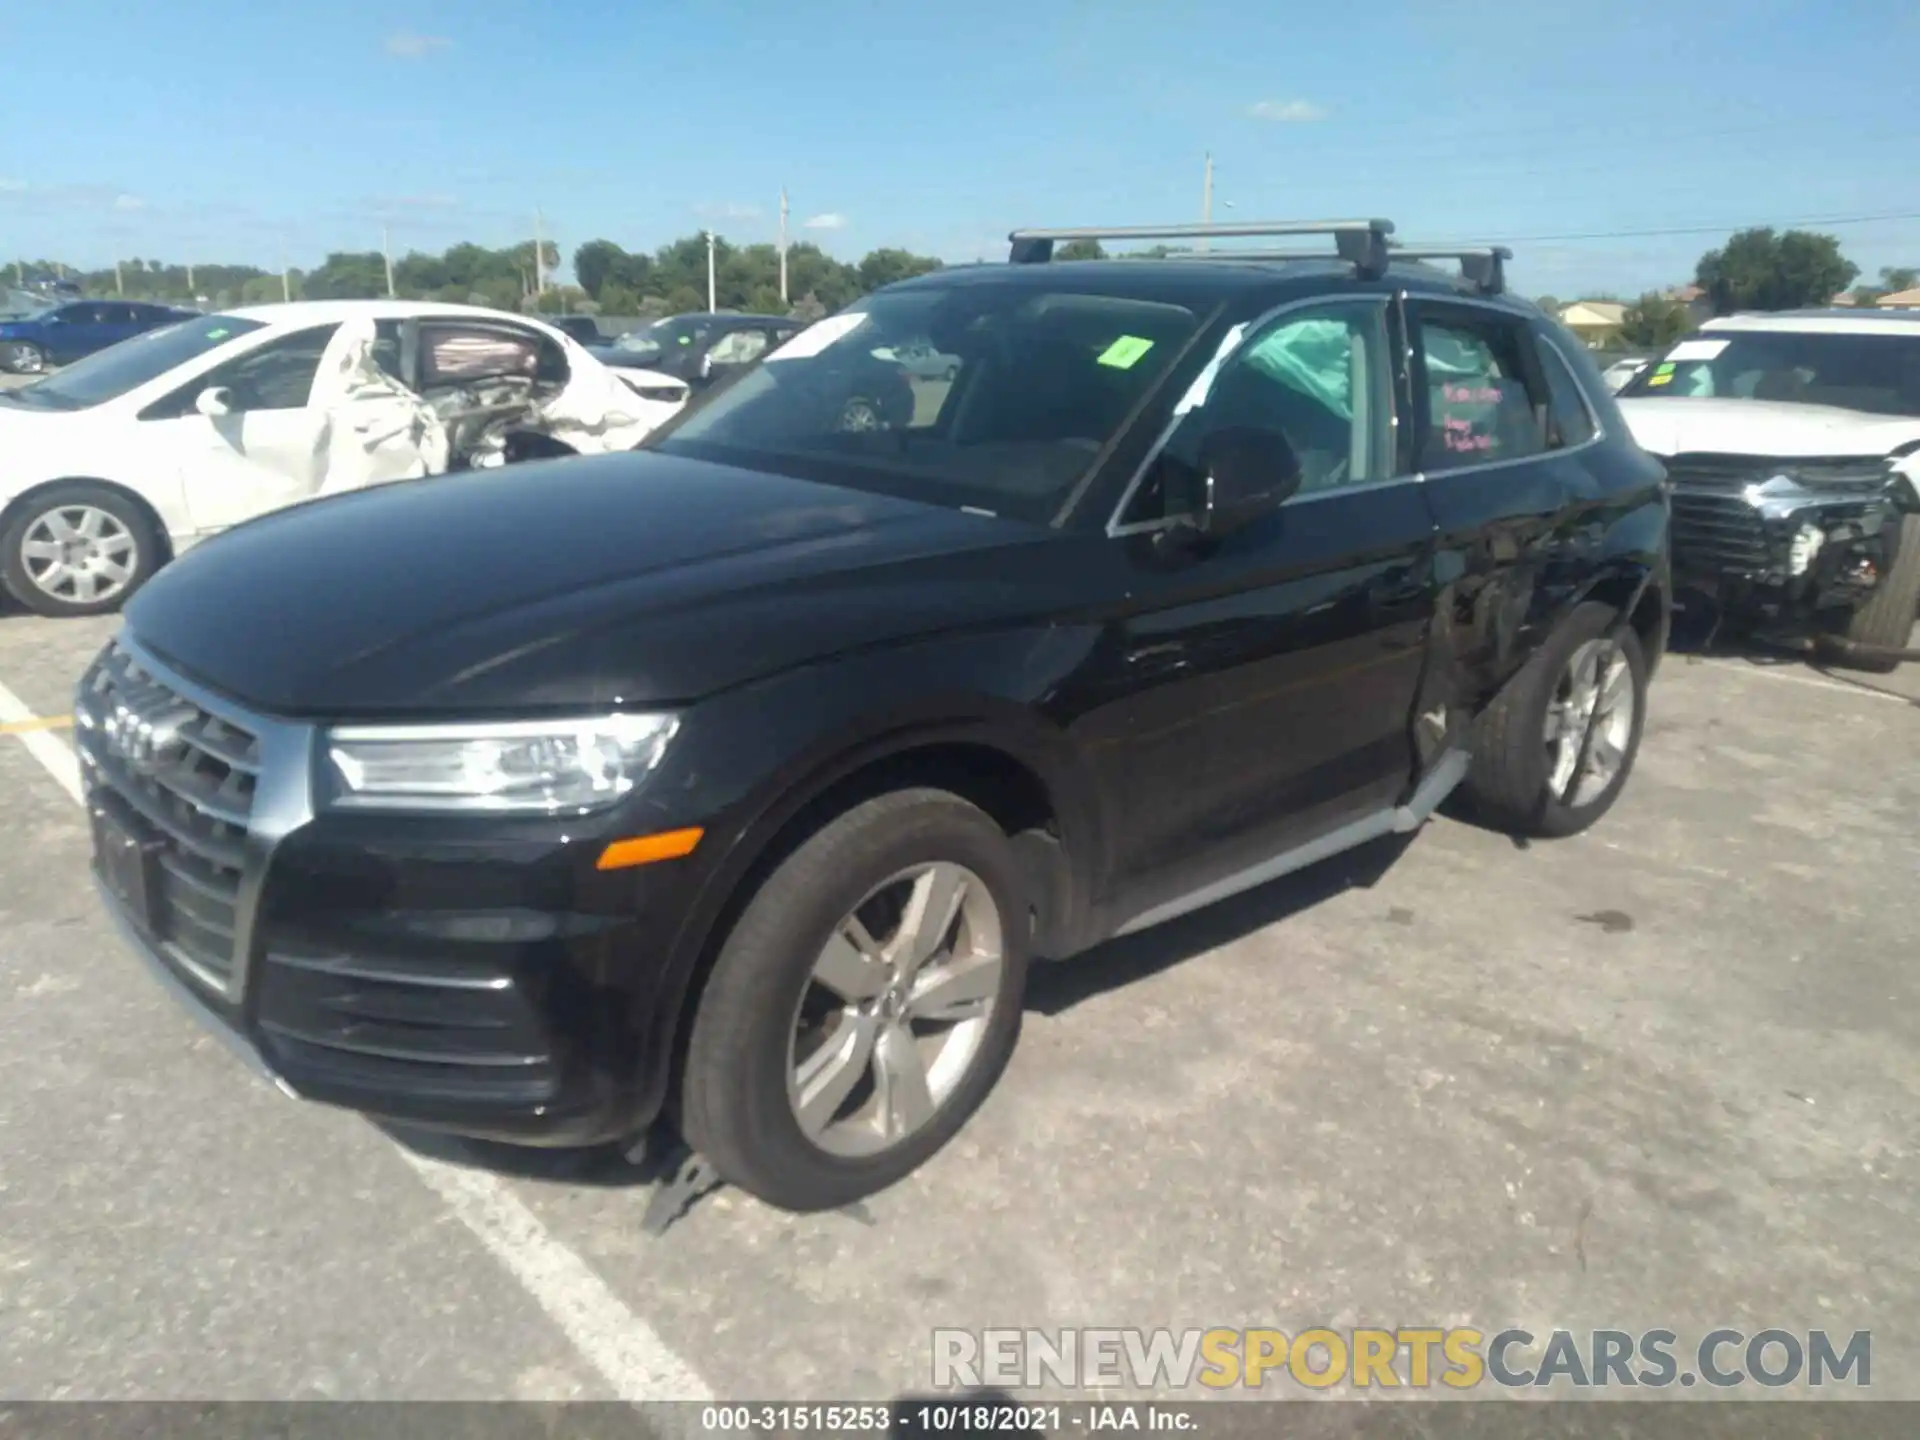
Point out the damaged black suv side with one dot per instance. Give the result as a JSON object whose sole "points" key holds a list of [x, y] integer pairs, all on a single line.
{"points": [[740, 779]]}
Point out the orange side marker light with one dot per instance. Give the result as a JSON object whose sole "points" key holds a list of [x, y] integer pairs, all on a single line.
{"points": [[645, 849]]}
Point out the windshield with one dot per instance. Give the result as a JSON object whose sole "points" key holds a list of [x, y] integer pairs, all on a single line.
{"points": [[1879, 374], [108, 374], [23, 304], [1039, 382], [660, 337]]}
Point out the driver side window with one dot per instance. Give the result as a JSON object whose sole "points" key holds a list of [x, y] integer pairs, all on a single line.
{"points": [[275, 376], [1319, 376]]}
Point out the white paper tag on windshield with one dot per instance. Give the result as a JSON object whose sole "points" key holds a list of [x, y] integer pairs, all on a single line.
{"points": [[816, 337], [1697, 350]]}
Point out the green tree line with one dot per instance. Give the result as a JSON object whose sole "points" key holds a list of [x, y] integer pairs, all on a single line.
{"points": [[609, 279]]}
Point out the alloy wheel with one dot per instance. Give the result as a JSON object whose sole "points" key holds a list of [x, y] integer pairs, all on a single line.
{"points": [[79, 553], [895, 1010], [1595, 693]]}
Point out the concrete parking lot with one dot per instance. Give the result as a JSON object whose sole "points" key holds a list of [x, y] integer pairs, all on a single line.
{"points": [[1663, 1075]]}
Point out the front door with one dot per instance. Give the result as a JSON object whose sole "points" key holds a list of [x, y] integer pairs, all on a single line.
{"points": [[267, 451], [1268, 679]]}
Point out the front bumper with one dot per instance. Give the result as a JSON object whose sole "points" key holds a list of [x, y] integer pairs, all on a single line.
{"points": [[1785, 555], [482, 977]]}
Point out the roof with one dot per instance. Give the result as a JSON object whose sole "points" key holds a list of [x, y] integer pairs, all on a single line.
{"points": [[319, 312], [1182, 280], [1900, 297], [1862, 321]]}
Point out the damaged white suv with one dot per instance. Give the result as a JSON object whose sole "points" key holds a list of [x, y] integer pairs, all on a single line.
{"points": [[111, 466]]}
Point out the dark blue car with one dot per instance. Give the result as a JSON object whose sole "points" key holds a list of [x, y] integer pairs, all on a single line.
{"points": [[32, 339]]}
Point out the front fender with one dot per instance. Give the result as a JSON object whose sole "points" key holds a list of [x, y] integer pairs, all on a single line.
{"points": [[821, 723]]}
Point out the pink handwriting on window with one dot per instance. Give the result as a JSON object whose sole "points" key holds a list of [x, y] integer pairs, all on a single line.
{"points": [[1470, 395], [1462, 441]]}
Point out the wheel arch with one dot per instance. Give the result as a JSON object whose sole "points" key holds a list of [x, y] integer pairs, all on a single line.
{"points": [[22, 502], [984, 764]]}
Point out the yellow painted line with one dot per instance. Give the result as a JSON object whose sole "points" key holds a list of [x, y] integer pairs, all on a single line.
{"points": [[37, 723]]}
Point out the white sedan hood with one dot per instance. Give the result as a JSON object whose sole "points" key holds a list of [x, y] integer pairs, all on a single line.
{"points": [[1679, 425]]}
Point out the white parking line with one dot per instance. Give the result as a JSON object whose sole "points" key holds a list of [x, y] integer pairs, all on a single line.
{"points": [[56, 757], [629, 1354], [1769, 672]]}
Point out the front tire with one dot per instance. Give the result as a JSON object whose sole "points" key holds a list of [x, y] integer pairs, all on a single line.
{"points": [[863, 1006], [23, 357], [78, 549], [1527, 743], [1885, 622]]}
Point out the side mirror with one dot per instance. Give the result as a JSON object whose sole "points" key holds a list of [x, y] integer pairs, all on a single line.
{"points": [[1249, 472], [214, 401]]}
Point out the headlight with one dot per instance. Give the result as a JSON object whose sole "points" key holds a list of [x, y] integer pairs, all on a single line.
{"points": [[529, 767]]}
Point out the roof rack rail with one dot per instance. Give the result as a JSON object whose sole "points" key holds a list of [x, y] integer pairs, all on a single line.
{"points": [[1484, 267], [1361, 243]]}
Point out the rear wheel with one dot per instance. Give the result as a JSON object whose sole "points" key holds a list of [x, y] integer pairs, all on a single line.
{"points": [[78, 549], [863, 1006], [1553, 751], [1885, 622]]}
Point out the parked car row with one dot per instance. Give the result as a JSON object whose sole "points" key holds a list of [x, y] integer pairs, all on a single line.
{"points": [[742, 778]]}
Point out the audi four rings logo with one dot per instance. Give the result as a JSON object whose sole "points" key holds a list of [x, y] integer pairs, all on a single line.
{"points": [[146, 738]]}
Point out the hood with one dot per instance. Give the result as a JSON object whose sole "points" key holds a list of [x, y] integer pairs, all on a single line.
{"points": [[1679, 425], [636, 579]]}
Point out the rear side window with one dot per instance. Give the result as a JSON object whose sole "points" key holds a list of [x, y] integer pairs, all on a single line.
{"points": [[1569, 421], [1480, 409]]}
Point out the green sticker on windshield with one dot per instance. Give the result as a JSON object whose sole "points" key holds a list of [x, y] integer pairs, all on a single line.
{"points": [[686, 339], [1125, 353], [219, 334], [1665, 369]]}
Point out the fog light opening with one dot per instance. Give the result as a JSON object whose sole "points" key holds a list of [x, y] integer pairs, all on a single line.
{"points": [[1807, 541]]}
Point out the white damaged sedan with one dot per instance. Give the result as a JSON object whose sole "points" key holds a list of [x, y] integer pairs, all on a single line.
{"points": [[113, 465]]}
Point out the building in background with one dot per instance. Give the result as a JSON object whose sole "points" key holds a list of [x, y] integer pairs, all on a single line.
{"points": [[1597, 322]]}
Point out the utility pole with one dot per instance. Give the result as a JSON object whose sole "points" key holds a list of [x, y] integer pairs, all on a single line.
{"points": [[1206, 200], [539, 255], [386, 249], [286, 279], [119, 281], [193, 292], [711, 297], [783, 244]]}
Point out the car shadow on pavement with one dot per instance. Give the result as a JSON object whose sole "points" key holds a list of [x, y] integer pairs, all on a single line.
{"points": [[1054, 987]]}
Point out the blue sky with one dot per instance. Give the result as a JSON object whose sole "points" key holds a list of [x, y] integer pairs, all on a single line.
{"points": [[229, 130]]}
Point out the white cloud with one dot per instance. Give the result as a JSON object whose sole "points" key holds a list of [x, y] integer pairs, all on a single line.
{"points": [[11, 186], [128, 202], [828, 221], [1290, 112], [407, 46]]}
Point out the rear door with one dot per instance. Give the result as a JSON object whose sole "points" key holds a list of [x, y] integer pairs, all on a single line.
{"points": [[1514, 503]]}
